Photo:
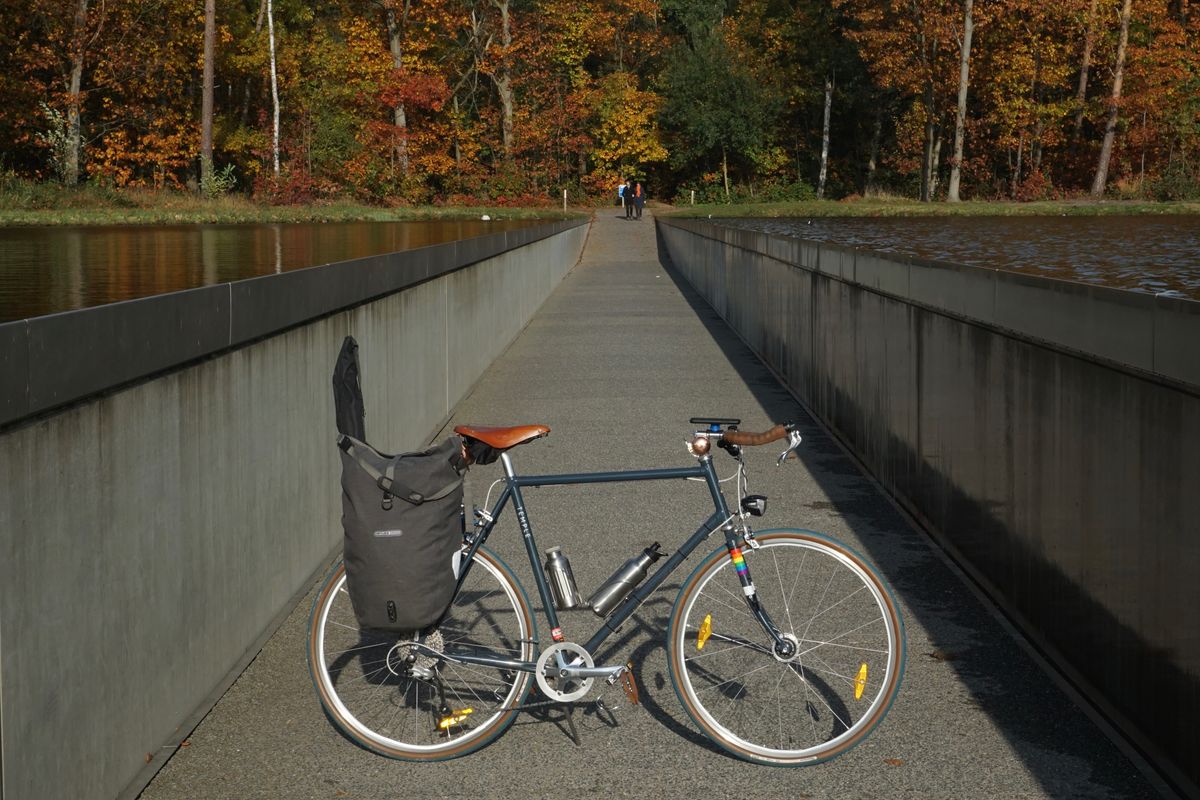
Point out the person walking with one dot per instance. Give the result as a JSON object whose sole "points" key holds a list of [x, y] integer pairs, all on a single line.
{"points": [[629, 203], [639, 200]]}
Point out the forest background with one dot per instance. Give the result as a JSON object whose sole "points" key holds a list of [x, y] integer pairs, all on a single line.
{"points": [[402, 102]]}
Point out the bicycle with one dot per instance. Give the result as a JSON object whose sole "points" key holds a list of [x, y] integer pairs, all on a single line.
{"points": [[784, 646]]}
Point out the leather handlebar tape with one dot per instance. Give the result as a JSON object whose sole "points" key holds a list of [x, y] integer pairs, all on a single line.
{"points": [[753, 439]]}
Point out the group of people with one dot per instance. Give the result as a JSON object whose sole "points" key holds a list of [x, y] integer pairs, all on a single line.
{"points": [[632, 197]]}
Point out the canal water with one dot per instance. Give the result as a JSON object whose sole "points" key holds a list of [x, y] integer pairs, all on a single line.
{"points": [[44, 270], [1154, 254]]}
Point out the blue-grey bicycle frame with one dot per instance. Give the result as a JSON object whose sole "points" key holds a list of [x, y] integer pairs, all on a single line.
{"points": [[512, 491]]}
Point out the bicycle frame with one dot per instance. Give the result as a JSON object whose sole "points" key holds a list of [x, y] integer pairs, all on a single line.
{"points": [[721, 518]]}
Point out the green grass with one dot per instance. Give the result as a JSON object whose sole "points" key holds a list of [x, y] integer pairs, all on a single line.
{"points": [[25, 202], [899, 207], [28, 203]]}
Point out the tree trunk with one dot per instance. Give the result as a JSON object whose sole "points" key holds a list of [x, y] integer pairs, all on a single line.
{"points": [[396, 24], [70, 166], [1039, 125], [274, 90], [825, 140], [1114, 105], [927, 155], [935, 162], [725, 170], [960, 117], [457, 141], [503, 79], [1016, 176], [206, 98], [1089, 40], [873, 159], [928, 56]]}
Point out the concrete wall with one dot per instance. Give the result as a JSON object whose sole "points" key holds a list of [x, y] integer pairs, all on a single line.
{"points": [[1046, 432], [151, 535]]}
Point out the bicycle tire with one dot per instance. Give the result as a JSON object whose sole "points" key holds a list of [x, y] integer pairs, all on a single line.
{"points": [[371, 699], [793, 712]]}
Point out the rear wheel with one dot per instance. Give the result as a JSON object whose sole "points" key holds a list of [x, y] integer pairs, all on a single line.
{"points": [[411, 702], [776, 708]]}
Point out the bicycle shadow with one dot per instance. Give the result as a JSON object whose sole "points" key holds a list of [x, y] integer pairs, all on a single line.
{"points": [[646, 635]]}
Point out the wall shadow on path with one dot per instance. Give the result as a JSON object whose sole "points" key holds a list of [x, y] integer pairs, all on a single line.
{"points": [[1028, 709]]}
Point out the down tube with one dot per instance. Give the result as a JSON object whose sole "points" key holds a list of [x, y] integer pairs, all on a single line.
{"points": [[639, 595]]}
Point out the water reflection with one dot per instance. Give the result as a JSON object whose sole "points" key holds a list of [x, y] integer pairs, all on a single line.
{"points": [[51, 269], [1155, 254]]}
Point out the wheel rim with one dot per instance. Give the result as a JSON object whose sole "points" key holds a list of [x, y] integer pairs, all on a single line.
{"points": [[395, 714], [797, 709]]}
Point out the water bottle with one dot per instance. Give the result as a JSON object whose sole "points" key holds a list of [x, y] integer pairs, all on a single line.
{"points": [[618, 587], [562, 581]]}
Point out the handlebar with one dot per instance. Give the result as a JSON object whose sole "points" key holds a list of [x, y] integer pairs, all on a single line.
{"points": [[732, 440], [745, 438]]}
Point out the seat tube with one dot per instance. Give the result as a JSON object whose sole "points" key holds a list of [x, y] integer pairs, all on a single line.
{"points": [[539, 575]]}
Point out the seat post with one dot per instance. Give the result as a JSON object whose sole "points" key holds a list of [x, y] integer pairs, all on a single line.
{"points": [[506, 462]]}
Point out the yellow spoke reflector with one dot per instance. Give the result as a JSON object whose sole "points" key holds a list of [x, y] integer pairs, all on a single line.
{"points": [[455, 718], [705, 632], [860, 682]]}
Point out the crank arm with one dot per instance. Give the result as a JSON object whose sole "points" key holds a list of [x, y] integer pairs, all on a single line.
{"points": [[579, 673]]}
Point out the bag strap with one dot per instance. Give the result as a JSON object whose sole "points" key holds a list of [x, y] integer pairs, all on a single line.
{"points": [[386, 480]]}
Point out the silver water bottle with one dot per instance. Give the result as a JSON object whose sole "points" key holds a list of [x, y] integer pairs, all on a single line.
{"points": [[562, 582], [618, 587]]}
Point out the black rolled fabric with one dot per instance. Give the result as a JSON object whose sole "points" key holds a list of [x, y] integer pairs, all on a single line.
{"points": [[347, 392]]}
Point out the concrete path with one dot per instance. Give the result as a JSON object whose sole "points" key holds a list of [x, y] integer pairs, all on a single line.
{"points": [[615, 363]]}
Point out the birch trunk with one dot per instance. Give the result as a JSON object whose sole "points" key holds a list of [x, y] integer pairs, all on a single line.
{"points": [[825, 140], [70, 166], [964, 73], [274, 90], [1114, 105]]}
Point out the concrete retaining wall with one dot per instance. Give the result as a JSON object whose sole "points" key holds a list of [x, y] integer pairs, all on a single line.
{"points": [[1046, 432], [151, 534]]}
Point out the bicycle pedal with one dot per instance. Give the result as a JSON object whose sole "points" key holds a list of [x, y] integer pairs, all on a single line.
{"points": [[454, 719], [628, 684]]}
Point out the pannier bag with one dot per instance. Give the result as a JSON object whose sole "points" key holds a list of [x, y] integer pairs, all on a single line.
{"points": [[402, 521]]}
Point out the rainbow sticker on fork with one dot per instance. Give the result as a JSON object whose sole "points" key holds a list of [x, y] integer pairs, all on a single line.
{"points": [[739, 563]]}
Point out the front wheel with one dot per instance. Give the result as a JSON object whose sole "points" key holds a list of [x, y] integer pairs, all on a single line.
{"points": [[417, 703], [800, 708]]}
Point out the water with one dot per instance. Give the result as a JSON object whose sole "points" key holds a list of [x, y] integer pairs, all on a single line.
{"points": [[44, 270], [1154, 254]]}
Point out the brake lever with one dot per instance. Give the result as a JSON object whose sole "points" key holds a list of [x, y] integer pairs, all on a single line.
{"points": [[793, 443]]}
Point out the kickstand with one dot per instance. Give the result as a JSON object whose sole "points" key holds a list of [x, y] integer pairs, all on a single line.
{"points": [[571, 723]]}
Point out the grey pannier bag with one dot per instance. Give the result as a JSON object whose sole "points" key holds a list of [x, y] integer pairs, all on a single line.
{"points": [[402, 518]]}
